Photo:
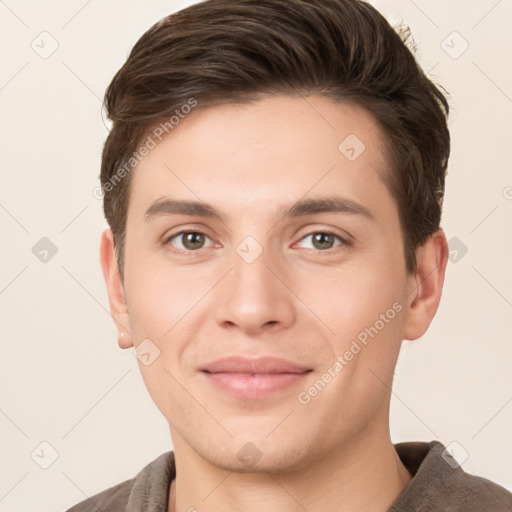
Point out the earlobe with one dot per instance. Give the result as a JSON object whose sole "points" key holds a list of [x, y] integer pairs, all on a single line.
{"points": [[115, 289], [125, 341], [425, 295]]}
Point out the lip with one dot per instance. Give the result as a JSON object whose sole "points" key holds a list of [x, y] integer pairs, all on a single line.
{"points": [[253, 379], [266, 364]]}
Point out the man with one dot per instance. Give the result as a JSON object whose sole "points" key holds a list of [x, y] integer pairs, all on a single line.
{"points": [[273, 183]]}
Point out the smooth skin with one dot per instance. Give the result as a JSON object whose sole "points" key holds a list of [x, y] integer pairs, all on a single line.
{"points": [[198, 300]]}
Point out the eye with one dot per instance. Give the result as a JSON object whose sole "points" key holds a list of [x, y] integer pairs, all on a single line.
{"points": [[325, 240], [188, 241]]}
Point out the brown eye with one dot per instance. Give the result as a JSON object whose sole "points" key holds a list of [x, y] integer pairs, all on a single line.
{"points": [[325, 240], [193, 240], [188, 240]]}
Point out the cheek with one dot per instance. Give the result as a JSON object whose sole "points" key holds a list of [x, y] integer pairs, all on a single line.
{"points": [[158, 309], [352, 297], [159, 297], [363, 306], [163, 305]]}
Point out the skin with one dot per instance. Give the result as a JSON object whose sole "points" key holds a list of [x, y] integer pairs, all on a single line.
{"points": [[294, 301]]}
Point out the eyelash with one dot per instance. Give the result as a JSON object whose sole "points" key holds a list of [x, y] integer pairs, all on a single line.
{"points": [[344, 242]]}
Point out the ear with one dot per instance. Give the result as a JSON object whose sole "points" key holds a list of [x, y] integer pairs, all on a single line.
{"points": [[425, 287], [115, 289]]}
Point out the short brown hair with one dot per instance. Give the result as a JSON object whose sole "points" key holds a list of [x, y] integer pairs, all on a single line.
{"points": [[236, 51]]}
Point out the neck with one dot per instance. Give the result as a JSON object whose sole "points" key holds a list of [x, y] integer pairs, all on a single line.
{"points": [[365, 475]]}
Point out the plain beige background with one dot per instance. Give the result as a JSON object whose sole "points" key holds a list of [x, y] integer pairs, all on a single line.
{"points": [[65, 382]]}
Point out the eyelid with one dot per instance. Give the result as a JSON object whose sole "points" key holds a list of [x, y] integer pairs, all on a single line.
{"points": [[167, 239], [343, 235], [346, 240]]}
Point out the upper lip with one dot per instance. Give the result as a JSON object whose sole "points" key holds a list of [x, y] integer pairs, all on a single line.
{"points": [[238, 364]]}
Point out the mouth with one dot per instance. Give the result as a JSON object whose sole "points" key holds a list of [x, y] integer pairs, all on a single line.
{"points": [[254, 379]]}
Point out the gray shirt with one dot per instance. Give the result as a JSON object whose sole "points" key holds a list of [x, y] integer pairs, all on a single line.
{"points": [[439, 484]]}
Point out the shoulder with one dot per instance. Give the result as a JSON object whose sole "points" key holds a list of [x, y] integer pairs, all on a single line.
{"points": [[112, 499], [465, 489], [440, 483], [149, 486], [472, 492]]}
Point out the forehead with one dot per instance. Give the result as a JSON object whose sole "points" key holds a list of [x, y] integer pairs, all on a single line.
{"points": [[265, 154]]}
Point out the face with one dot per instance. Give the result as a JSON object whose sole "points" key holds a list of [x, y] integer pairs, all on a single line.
{"points": [[292, 250]]}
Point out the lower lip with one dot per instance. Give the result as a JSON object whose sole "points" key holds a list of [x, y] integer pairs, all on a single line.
{"points": [[249, 387]]}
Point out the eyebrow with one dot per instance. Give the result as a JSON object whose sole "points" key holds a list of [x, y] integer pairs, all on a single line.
{"points": [[333, 204]]}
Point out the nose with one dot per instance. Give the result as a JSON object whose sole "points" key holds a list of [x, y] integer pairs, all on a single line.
{"points": [[254, 296]]}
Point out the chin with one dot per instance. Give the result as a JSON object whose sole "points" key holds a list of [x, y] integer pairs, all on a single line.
{"points": [[254, 454]]}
